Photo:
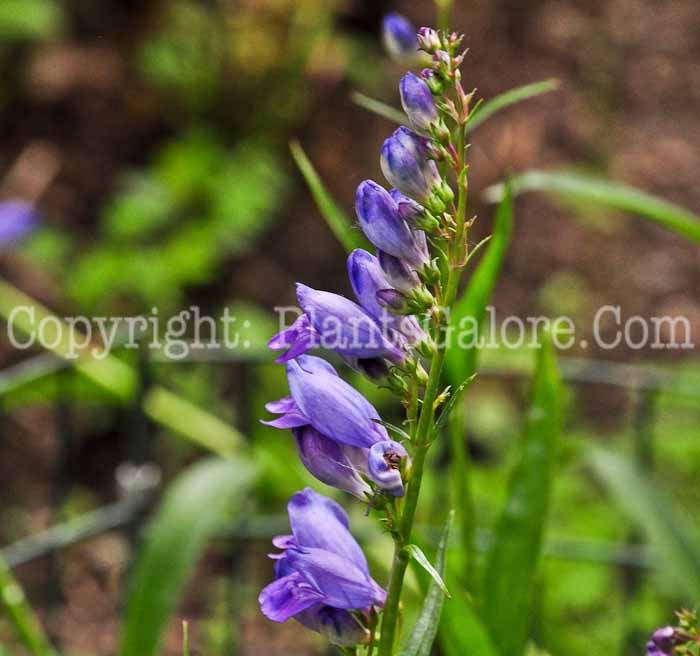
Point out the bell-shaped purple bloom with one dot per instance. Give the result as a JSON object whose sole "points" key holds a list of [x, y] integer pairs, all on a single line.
{"points": [[385, 466], [333, 463], [399, 36], [381, 221], [17, 219], [320, 398], [418, 103], [322, 574], [662, 642], [334, 322], [406, 165], [409, 210]]}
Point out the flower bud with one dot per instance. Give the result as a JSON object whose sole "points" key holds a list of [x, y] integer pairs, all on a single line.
{"points": [[435, 83], [399, 37], [406, 166], [418, 103], [385, 462], [393, 300], [381, 221], [429, 39], [397, 272]]}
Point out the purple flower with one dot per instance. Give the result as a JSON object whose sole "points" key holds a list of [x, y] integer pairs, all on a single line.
{"points": [[333, 463], [385, 460], [429, 39], [410, 211], [399, 36], [335, 427], [381, 221], [418, 103], [406, 165], [371, 288], [321, 574], [662, 642], [320, 398], [334, 322], [17, 219]]}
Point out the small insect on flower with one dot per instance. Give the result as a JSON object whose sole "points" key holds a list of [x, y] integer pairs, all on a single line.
{"points": [[399, 37], [322, 579]]}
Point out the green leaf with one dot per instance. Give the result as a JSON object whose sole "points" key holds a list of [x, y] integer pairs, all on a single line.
{"points": [[422, 636], [454, 397], [610, 194], [675, 538], [518, 537], [380, 108], [462, 633], [20, 614], [461, 363], [416, 553], [336, 219], [29, 19], [192, 509], [504, 100]]}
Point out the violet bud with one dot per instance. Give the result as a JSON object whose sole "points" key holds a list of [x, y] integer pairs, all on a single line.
{"points": [[429, 39], [398, 273], [418, 103], [367, 278], [382, 223], [333, 463], [406, 166], [322, 573], [433, 80], [392, 299], [17, 219], [385, 463], [399, 37]]}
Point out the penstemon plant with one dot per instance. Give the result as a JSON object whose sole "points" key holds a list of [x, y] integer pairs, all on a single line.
{"points": [[393, 335]]}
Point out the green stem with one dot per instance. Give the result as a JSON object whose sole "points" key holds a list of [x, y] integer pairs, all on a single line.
{"points": [[444, 9]]}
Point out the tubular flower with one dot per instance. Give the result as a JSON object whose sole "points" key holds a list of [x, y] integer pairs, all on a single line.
{"points": [[399, 37], [418, 103], [334, 322], [385, 460], [335, 427], [321, 574], [384, 226], [405, 164], [333, 463]]}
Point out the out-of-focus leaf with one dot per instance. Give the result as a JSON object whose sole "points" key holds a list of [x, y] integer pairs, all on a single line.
{"points": [[422, 636], [462, 633], [676, 540], [610, 194], [518, 537], [29, 19], [22, 618], [416, 553], [336, 219], [504, 100], [460, 363], [193, 508], [380, 108]]}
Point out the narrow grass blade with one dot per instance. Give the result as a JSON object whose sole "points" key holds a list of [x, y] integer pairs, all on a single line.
{"points": [[21, 617], [518, 537], [460, 361], [675, 539], [191, 511], [504, 100], [378, 107], [609, 194], [420, 642], [449, 406], [336, 219], [462, 633]]}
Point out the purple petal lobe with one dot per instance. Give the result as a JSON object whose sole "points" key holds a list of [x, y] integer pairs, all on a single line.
{"points": [[384, 466], [287, 596]]}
